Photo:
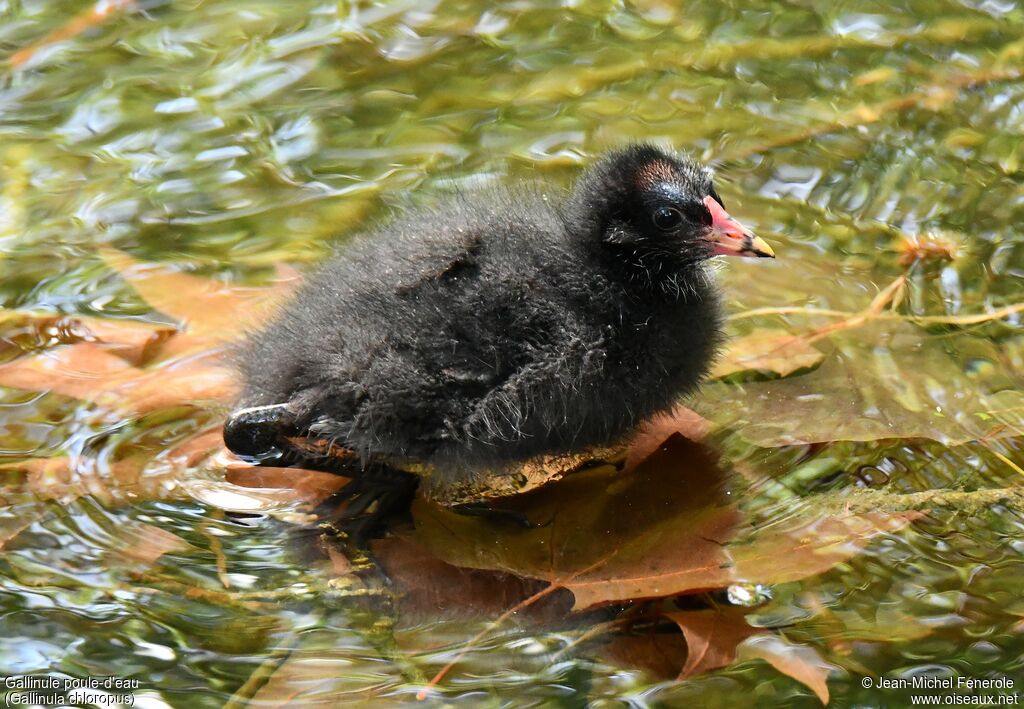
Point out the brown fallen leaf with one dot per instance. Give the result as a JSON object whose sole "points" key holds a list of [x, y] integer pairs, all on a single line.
{"points": [[196, 448], [428, 589], [92, 372], [61, 478], [424, 589], [657, 653], [129, 541], [311, 486], [712, 637], [891, 381], [655, 532], [767, 351], [197, 382], [801, 662], [316, 673], [665, 529], [144, 543], [840, 628], [802, 546], [887, 625], [222, 495], [653, 433], [82, 371], [132, 340], [134, 368], [708, 640], [50, 478], [214, 310]]}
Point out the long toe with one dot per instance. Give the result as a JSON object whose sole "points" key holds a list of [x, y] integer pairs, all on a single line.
{"points": [[362, 509]]}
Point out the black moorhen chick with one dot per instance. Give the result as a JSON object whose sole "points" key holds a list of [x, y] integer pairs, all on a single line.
{"points": [[499, 326]]}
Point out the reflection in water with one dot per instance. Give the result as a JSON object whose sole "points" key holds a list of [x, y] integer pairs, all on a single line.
{"points": [[223, 140]]}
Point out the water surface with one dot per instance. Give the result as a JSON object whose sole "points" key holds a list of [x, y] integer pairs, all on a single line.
{"points": [[223, 139]]}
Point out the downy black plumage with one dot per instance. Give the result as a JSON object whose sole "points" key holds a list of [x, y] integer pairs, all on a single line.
{"points": [[501, 324]]}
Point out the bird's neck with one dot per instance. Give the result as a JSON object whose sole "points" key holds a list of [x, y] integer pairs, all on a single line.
{"points": [[654, 278]]}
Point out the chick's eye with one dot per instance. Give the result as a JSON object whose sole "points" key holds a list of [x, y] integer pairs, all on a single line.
{"points": [[666, 218]]}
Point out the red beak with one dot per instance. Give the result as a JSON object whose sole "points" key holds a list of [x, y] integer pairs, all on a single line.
{"points": [[730, 238]]}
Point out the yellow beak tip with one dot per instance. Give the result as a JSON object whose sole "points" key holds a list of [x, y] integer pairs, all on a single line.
{"points": [[760, 248]]}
